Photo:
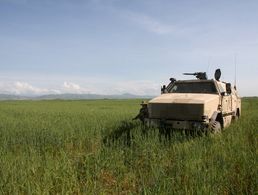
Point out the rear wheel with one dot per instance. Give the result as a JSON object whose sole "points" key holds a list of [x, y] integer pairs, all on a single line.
{"points": [[236, 117]]}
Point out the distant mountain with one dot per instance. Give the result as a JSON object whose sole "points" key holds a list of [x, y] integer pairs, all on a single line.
{"points": [[90, 96], [12, 97], [73, 97], [69, 96]]}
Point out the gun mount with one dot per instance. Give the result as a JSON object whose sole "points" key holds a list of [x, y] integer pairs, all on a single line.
{"points": [[198, 75]]}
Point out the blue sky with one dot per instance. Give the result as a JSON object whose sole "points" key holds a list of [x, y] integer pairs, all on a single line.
{"points": [[124, 46]]}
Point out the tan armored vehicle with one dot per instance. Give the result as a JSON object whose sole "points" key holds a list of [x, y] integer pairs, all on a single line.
{"points": [[200, 104]]}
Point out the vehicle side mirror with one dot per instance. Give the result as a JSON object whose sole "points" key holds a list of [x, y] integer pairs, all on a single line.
{"points": [[228, 88]]}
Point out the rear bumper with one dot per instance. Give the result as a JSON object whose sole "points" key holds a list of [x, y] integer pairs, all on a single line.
{"points": [[177, 124]]}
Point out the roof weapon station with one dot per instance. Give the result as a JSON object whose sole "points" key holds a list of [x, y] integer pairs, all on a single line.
{"points": [[198, 75]]}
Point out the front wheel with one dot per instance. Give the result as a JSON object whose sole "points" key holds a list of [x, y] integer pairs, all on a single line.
{"points": [[215, 127]]}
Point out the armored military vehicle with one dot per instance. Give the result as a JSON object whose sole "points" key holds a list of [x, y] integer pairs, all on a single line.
{"points": [[199, 104]]}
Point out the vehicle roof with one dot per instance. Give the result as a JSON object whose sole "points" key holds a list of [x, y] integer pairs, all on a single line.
{"points": [[198, 81]]}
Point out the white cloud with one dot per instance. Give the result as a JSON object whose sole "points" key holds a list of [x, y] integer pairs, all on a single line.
{"points": [[144, 21], [93, 86], [71, 86], [24, 88], [151, 24]]}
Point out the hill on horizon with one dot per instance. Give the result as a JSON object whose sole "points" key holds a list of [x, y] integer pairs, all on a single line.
{"points": [[68, 96]]}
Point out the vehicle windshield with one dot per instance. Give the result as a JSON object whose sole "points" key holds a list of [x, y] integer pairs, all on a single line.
{"points": [[193, 87]]}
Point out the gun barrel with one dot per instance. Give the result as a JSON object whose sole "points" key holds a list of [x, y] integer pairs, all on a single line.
{"points": [[189, 73], [198, 75]]}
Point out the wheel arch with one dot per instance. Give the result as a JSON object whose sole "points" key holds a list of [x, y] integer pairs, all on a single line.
{"points": [[238, 112]]}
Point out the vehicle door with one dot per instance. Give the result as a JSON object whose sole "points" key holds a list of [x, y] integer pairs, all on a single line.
{"points": [[226, 98]]}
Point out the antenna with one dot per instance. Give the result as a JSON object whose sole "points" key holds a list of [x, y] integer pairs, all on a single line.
{"points": [[209, 65], [235, 59]]}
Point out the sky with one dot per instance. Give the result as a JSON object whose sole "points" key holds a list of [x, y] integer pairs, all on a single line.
{"points": [[124, 46]]}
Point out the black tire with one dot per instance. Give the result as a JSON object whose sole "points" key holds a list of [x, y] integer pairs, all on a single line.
{"points": [[236, 117], [215, 127]]}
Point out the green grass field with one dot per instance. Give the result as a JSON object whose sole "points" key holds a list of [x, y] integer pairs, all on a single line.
{"points": [[56, 147]]}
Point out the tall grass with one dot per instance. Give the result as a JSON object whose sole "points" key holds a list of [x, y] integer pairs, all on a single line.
{"points": [[57, 147]]}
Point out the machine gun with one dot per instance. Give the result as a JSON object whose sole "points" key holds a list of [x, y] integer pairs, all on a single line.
{"points": [[198, 75]]}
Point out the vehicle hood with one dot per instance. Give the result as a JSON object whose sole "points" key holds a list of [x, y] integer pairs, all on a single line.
{"points": [[184, 98], [183, 106]]}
